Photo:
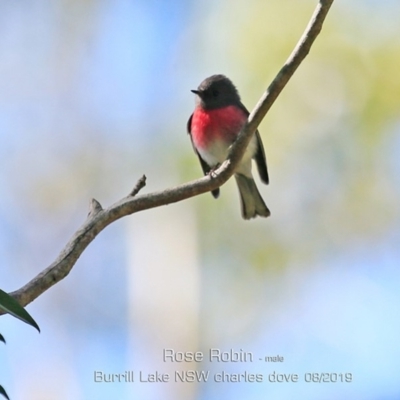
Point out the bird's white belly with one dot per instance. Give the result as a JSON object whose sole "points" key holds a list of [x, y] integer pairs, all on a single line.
{"points": [[217, 152]]}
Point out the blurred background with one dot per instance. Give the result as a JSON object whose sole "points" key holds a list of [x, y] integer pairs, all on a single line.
{"points": [[95, 94]]}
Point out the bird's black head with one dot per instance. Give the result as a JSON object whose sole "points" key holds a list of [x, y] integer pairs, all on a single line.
{"points": [[216, 91]]}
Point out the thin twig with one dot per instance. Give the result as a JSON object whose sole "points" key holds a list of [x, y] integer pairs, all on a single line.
{"points": [[94, 208], [141, 183]]}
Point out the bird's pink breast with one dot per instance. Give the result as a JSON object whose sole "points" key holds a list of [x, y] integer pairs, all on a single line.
{"points": [[217, 124]]}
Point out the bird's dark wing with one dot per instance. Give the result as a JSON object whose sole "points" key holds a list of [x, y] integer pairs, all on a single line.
{"points": [[205, 167], [261, 160], [259, 156]]}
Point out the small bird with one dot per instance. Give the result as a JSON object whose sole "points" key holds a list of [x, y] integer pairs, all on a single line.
{"points": [[214, 125]]}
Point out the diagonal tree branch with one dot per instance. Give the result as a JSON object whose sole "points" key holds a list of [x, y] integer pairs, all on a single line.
{"points": [[100, 218]]}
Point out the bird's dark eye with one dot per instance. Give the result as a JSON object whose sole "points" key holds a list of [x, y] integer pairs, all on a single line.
{"points": [[215, 93]]}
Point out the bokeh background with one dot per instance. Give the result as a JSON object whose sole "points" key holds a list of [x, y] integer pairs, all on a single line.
{"points": [[93, 94]]}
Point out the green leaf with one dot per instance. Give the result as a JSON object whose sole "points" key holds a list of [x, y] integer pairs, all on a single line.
{"points": [[2, 338], [10, 305], [4, 393]]}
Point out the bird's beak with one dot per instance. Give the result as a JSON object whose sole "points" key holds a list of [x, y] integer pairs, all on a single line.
{"points": [[196, 92]]}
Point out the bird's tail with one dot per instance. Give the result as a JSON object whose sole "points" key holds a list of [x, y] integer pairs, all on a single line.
{"points": [[251, 200]]}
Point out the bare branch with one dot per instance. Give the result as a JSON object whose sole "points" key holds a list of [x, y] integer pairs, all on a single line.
{"points": [[94, 208], [141, 183], [98, 218]]}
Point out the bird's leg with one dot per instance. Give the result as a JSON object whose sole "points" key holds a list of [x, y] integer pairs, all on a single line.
{"points": [[213, 169]]}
